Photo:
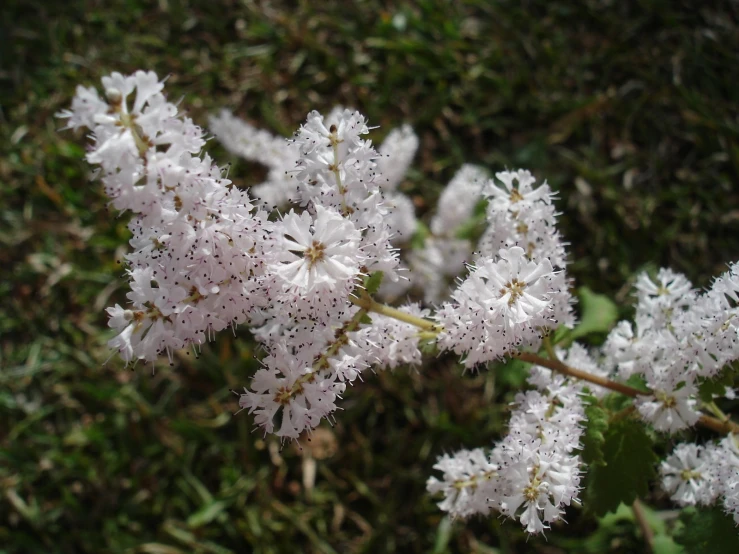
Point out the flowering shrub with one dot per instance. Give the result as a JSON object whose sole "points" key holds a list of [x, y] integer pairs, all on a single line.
{"points": [[306, 258]]}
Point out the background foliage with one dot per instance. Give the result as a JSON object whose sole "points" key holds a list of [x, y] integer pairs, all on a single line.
{"points": [[628, 108]]}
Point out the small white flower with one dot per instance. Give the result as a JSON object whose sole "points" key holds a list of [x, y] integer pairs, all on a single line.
{"points": [[290, 386], [395, 156], [517, 193], [672, 407], [458, 200], [688, 476], [664, 299], [320, 251], [517, 287], [469, 479]]}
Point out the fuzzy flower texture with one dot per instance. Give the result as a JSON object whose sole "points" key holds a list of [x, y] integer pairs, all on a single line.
{"points": [[291, 259]]}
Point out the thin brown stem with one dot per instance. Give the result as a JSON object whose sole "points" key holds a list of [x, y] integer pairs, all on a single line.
{"points": [[564, 369], [713, 423], [430, 329], [641, 520], [724, 427]]}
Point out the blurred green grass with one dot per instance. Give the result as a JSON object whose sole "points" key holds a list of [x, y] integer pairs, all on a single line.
{"points": [[629, 109]]}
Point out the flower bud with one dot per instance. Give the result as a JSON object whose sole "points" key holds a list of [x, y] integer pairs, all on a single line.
{"points": [[114, 96]]}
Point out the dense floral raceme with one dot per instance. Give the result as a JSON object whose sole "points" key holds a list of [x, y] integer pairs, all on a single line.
{"points": [[302, 258], [680, 338], [200, 248], [534, 472], [517, 287]]}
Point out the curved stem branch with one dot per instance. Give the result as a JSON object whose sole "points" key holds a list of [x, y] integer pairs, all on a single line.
{"points": [[431, 329], [713, 423], [559, 367], [366, 302]]}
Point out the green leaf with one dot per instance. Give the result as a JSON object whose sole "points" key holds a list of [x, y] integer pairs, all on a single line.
{"points": [[373, 282], [593, 437], [629, 465], [560, 334], [664, 544], [512, 372], [638, 382], [206, 514], [475, 226], [365, 319], [419, 237], [443, 536], [599, 314], [716, 386], [707, 531]]}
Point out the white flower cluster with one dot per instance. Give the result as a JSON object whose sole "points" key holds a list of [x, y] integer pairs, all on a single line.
{"points": [[444, 254], [315, 335], [517, 289], [679, 337], [199, 247], [430, 269], [534, 472], [695, 474], [204, 258], [281, 158]]}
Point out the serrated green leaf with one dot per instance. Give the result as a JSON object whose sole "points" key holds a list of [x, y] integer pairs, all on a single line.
{"points": [[593, 437], [615, 402], [373, 282], [599, 314], [629, 466], [707, 531], [365, 319]]}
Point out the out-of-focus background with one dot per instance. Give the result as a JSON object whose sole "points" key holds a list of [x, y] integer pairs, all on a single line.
{"points": [[628, 108]]}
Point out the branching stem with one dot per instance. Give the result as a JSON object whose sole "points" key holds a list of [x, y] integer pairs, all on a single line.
{"points": [[722, 425], [366, 302], [559, 367]]}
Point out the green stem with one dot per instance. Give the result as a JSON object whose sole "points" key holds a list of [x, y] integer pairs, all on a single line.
{"points": [[366, 302], [641, 520], [142, 141], [549, 348], [336, 171], [342, 338], [559, 367], [715, 410]]}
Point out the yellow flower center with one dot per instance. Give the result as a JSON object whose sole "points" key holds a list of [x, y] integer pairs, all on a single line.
{"points": [[515, 288], [314, 253], [515, 196]]}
